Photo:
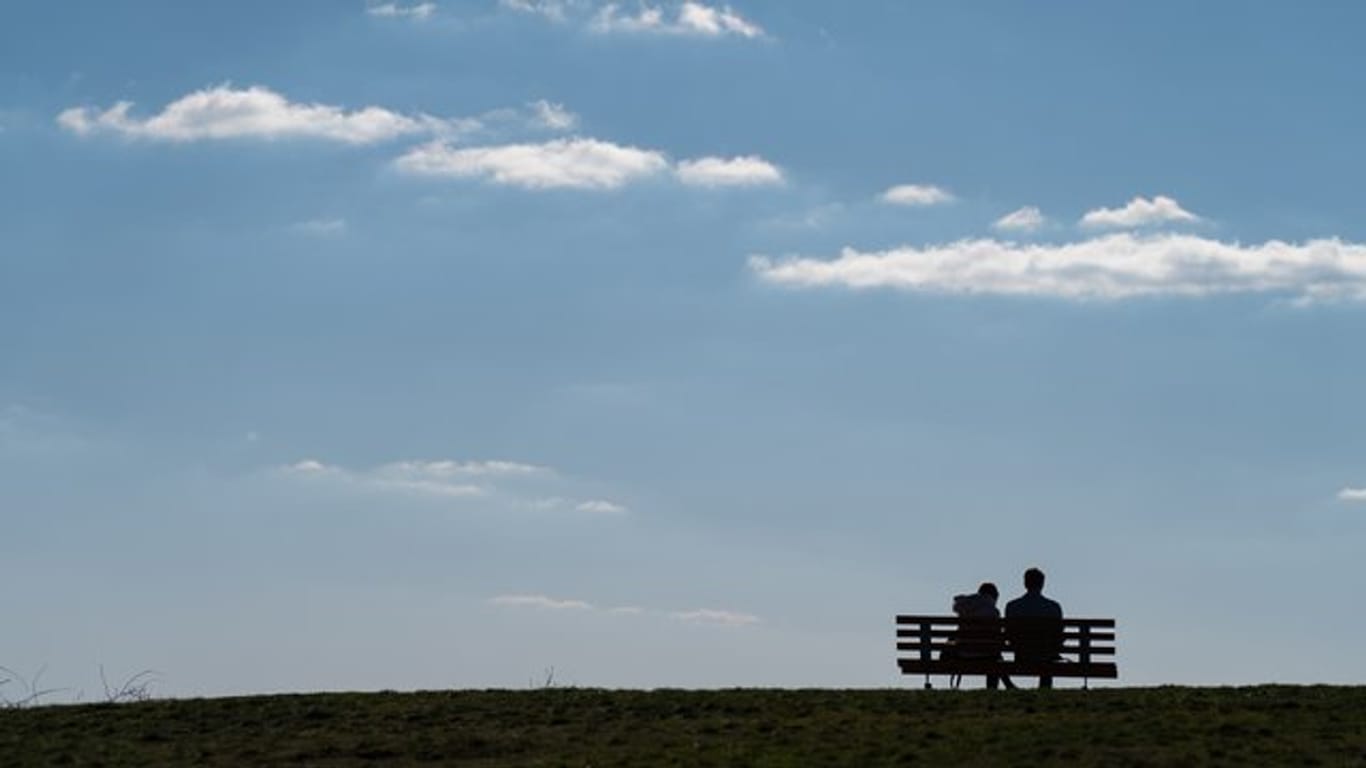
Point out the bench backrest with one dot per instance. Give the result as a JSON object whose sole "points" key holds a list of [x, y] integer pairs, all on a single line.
{"points": [[1078, 640]]}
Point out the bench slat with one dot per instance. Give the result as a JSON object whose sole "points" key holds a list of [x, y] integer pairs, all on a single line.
{"points": [[1067, 649], [946, 632], [952, 621], [1070, 634]]}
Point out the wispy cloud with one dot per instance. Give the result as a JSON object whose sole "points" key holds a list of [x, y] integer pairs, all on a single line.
{"points": [[679, 19], [255, 112], [747, 171], [1026, 219], [697, 616], [447, 468], [1352, 494], [561, 163], [310, 467], [601, 507], [540, 601], [1118, 266], [917, 195], [321, 227], [496, 484], [554, 116], [555, 10], [1140, 212], [580, 163], [418, 11], [696, 18], [689, 19], [420, 478], [713, 616]]}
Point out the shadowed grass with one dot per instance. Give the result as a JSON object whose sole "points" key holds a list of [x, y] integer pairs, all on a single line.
{"points": [[1268, 725]]}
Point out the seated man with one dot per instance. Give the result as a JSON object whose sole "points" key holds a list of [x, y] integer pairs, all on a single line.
{"points": [[1034, 624]]}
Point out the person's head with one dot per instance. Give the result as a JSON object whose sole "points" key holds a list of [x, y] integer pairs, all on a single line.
{"points": [[989, 590], [1033, 579]]}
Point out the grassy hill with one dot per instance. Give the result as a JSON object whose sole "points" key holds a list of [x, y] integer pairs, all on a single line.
{"points": [[1269, 725]]}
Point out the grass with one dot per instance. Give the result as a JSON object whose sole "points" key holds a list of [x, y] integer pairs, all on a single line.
{"points": [[1267, 725]]}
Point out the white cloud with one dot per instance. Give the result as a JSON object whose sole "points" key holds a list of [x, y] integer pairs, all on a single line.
{"points": [[554, 116], [310, 467], [578, 163], [563, 163], [689, 19], [497, 484], [418, 11], [321, 227], [714, 22], [600, 507], [589, 506], [748, 171], [224, 112], [1352, 494], [540, 601], [447, 468], [712, 616], [1140, 212], [420, 478], [555, 10], [1026, 219], [445, 478], [917, 195], [700, 616], [1117, 266], [647, 19]]}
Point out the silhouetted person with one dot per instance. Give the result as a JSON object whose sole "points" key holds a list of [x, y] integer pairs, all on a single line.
{"points": [[979, 632], [1039, 637]]}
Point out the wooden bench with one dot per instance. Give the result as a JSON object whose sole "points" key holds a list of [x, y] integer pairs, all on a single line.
{"points": [[1017, 647]]}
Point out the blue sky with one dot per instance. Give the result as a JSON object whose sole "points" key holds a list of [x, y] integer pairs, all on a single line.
{"points": [[420, 345]]}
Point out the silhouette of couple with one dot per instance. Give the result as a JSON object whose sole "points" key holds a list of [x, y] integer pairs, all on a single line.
{"points": [[983, 640]]}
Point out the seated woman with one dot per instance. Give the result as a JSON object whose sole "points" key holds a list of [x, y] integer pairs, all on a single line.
{"points": [[978, 639]]}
